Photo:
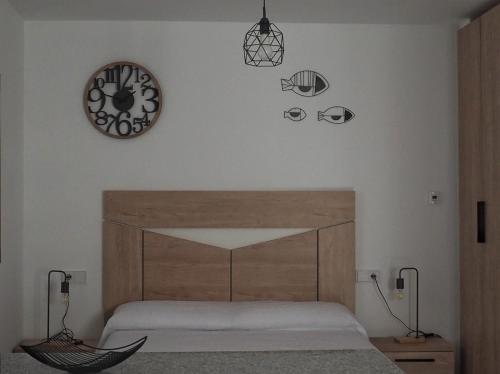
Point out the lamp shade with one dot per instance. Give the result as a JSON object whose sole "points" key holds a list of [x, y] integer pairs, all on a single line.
{"points": [[264, 44]]}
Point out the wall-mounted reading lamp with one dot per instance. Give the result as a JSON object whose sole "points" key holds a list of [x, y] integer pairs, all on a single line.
{"points": [[400, 285], [64, 291]]}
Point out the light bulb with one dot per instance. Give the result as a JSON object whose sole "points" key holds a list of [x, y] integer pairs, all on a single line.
{"points": [[265, 51], [400, 286]]}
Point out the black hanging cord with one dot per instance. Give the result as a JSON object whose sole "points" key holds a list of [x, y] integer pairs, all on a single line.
{"points": [[65, 333], [410, 330], [265, 25], [388, 307], [63, 321], [401, 280]]}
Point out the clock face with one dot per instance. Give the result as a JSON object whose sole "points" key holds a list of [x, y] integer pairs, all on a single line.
{"points": [[123, 100]]}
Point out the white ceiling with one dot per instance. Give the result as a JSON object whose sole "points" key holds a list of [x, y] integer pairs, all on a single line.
{"points": [[335, 11]]}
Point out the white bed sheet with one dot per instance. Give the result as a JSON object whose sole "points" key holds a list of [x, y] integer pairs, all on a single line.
{"points": [[194, 326], [181, 340]]}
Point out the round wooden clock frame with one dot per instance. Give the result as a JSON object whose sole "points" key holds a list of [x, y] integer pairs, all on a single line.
{"points": [[123, 99]]}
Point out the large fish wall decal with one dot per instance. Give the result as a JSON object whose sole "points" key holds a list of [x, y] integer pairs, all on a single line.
{"points": [[336, 114], [295, 114], [305, 83]]}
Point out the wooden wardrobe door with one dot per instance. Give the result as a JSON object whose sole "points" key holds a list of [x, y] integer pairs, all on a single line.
{"points": [[472, 180], [490, 103], [479, 88]]}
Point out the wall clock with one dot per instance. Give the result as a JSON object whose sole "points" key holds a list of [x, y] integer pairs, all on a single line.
{"points": [[123, 100]]}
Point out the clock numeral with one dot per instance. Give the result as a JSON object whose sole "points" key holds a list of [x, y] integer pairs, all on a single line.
{"points": [[101, 118], [140, 123], [99, 83], [136, 69], [122, 126], [147, 79], [113, 75], [128, 76], [116, 73], [96, 95], [153, 99]]}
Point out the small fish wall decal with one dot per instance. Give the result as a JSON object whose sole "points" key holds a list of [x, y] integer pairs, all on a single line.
{"points": [[336, 114], [295, 114], [305, 83]]}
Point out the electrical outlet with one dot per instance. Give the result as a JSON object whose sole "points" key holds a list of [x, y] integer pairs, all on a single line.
{"points": [[77, 276], [366, 275]]}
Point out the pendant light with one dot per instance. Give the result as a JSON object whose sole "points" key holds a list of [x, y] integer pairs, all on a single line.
{"points": [[264, 44]]}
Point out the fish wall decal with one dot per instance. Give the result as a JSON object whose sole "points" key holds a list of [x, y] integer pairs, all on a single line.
{"points": [[295, 114], [305, 83], [336, 114]]}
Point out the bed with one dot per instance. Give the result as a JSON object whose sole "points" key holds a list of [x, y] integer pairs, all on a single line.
{"points": [[283, 306], [244, 337]]}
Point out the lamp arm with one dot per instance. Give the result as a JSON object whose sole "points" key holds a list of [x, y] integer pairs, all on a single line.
{"points": [[66, 278], [416, 271]]}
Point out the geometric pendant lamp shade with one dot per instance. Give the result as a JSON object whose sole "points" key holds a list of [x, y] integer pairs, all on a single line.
{"points": [[264, 44]]}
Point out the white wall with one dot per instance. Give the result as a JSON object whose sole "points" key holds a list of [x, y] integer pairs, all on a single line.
{"points": [[11, 122], [223, 128]]}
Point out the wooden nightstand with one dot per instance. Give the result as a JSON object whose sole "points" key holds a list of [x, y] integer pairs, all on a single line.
{"points": [[18, 349], [435, 356]]}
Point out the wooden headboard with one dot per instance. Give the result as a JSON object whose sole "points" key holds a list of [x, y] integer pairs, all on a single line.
{"points": [[142, 265]]}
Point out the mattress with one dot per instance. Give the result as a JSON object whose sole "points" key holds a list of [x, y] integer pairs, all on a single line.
{"points": [[176, 326], [175, 340]]}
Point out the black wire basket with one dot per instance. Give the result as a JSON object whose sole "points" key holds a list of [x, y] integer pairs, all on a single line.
{"points": [[75, 357]]}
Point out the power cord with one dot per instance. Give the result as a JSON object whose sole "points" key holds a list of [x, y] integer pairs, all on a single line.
{"points": [[66, 334], [410, 330]]}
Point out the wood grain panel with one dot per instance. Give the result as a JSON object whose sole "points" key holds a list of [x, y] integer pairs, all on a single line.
{"points": [[472, 179], [336, 264], [178, 269], [281, 269], [229, 209], [487, 357], [432, 344], [122, 265], [424, 362]]}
